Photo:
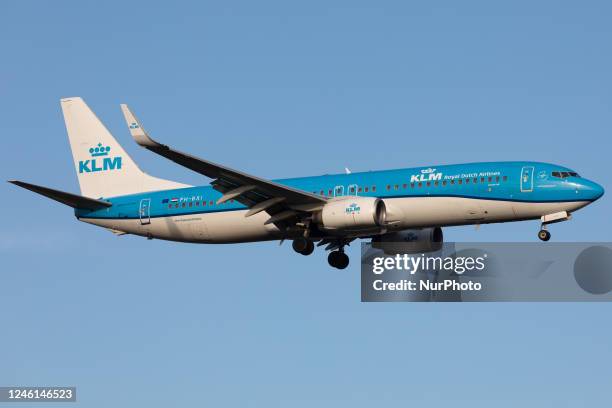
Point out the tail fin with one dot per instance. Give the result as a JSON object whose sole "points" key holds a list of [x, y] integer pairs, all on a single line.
{"points": [[104, 169]]}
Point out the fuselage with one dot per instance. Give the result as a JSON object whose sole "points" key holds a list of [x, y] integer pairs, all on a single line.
{"points": [[444, 195]]}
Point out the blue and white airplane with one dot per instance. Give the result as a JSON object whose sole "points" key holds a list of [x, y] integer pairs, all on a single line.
{"points": [[404, 205]]}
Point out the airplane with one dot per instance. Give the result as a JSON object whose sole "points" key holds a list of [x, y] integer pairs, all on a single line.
{"points": [[402, 205]]}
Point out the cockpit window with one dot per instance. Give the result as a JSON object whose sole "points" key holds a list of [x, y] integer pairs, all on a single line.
{"points": [[564, 174]]}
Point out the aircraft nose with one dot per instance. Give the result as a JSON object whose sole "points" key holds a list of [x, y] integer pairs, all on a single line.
{"points": [[592, 190]]}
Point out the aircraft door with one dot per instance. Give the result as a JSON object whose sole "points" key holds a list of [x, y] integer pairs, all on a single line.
{"points": [[145, 211], [527, 179], [352, 190], [338, 191]]}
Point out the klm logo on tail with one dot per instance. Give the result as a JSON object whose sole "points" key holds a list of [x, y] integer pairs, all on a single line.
{"points": [[99, 161]]}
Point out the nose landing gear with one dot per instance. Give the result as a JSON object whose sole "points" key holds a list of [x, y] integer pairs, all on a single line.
{"points": [[560, 216], [544, 235]]}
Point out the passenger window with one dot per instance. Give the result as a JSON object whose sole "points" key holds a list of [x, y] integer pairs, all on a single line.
{"points": [[505, 178], [420, 184], [467, 181], [436, 184], [405, 185], [396, 187], [428, 183], [373, 188], [366, 189], [359, 190], [475, 179], [411, 185], [496, 179], [482, 179], [444, 183], [452, 181], [460, 181], [388, 187]]}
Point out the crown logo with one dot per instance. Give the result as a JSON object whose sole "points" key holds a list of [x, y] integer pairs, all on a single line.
{"points": [[99, 150], [428, 171], [134, 125]]}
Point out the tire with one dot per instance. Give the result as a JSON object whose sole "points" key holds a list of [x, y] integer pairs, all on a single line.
{"points": [[338, 259], [544, 235], [343, 261], [332, 258], [299, 245], [309, 248]]}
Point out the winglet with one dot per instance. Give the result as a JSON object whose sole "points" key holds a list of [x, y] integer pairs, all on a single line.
{"points": [[136, 130]]}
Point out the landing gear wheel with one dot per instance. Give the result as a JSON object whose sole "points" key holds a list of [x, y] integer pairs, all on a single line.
{"points": [[343, 261], [332, 258], [309, 248], [303, 246], [299, 244], [544, 235], [338, 259]]}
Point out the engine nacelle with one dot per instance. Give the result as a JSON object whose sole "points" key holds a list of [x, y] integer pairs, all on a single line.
{"points": [[410, 241], [352, 214]]}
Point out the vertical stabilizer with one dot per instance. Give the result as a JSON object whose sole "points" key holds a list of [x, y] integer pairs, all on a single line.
{"points": [[103, 167]]}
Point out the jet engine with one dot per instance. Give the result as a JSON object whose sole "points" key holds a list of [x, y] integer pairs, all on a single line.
{"points": [[352, 214], [410, 241]]}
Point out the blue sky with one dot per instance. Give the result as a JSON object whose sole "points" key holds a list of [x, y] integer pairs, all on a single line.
{"points": [[282, 89]]}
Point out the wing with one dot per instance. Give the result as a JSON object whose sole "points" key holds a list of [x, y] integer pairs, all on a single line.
{"points": [[285, 204]]}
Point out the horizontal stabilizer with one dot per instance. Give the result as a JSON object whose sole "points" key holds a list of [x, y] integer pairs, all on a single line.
{"points": [[72, 200]]}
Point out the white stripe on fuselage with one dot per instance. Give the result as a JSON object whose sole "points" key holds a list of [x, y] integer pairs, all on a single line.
{"points": [[402, 213]]}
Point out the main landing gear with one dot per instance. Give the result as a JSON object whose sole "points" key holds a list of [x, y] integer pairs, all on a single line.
{"points": [[303, 246], [338, 259]]}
